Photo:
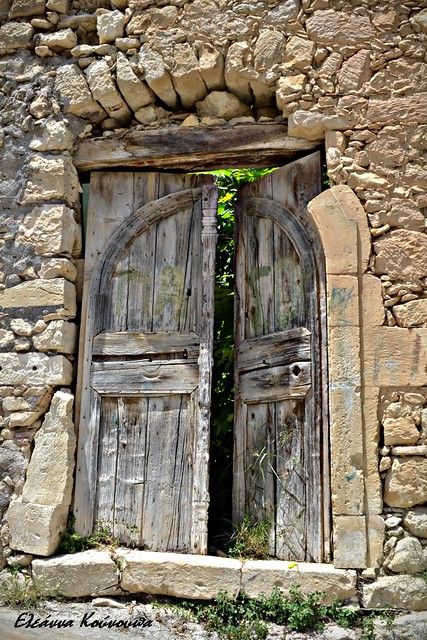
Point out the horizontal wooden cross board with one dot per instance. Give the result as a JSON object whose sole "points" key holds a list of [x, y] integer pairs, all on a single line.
{"points": [[194, 149]]}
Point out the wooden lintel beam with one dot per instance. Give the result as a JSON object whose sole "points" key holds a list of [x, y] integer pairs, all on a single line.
{"points": [[193, 148]]}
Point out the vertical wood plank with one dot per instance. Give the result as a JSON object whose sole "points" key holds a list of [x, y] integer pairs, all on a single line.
{"points": [[201, 445], [108, 204], [292, 472], [107, 464], [129, 470]]}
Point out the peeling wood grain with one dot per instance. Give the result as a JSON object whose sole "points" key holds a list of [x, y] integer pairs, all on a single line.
{"points": [[193, 149], [148, 360], [280, 409], [122, 343]]}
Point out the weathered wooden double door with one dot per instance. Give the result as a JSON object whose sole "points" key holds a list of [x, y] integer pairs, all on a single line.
{"points": [[146, 361]]}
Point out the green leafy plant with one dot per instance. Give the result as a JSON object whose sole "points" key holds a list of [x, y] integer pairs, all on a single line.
{"points": [[72, 542], [18, 590], [244, 618], [250, 539]]}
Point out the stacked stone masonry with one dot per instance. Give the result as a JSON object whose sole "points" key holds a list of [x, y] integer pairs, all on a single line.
{"points": [[353, 75]]}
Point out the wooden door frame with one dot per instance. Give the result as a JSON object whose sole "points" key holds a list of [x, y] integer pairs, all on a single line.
{"points": [[182, 149]]}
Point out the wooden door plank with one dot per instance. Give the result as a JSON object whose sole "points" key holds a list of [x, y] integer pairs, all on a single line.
{"points": [[107, 465], [130, 480], [276, 383], [292, 471], [283, 347], [141, 378], [260, 465], [110, 200], [115, 343], [167, 505]]}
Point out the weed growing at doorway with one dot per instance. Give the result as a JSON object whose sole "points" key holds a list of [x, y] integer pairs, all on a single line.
{"points": [[72, 542], [244, 618], [250, 539], [19, 591]]}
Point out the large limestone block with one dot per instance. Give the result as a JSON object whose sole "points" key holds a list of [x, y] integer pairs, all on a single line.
{"points": [[312, 125], [221, 104], [49, 479], [186, 76], [367, 180], [62, 39], [50, 229], [415, 521], [286, 11], [52, 292], [372, 301], [355, 71], [36, 528], [104, 91], [336, 27], [344, 356], [174, 574], [88, 573], [347, 485], [401, 592], [421, 19], [110, 25], [376, 538], [343, 301], [289, 89], [408, 556], [19, 368], [412, 626], [55, 136], [135, 92], [262, 576], [402, 254], [350, 543], [395, 357], [59, 336], [342, 225], [211, 65], [51, 178], [299, 53], [401, 110], [237, 62], [269, 49], [25, 8], [157, 76], [406, 482], [15, 35], [411, 314], [400, 430], [75, 95]]}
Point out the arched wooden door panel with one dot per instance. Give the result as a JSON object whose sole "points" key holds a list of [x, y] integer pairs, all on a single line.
{"points": [[280, 457], [144, 427]]}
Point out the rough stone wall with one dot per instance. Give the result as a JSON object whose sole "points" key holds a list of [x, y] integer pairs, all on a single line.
{"points": [[352, 73]]}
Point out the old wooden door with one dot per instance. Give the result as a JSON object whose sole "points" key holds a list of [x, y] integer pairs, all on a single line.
{"points": [[142, 467], [280, 467]]}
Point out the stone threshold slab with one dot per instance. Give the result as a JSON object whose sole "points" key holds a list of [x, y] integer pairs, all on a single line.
{"points": [[93, 572]]}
